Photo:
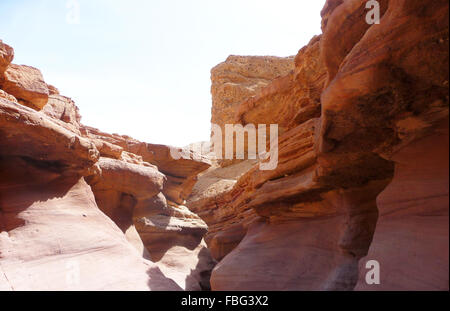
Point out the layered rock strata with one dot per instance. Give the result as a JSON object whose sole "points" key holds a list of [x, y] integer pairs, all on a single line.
{"points": [[84, 210], [237, 79], [362, 171]]}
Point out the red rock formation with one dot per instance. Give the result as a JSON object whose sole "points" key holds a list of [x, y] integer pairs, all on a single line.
{"points": [[104, 233], [64, 109], [27, 85], [237, 79], [411, 240], [44, 139], [227, 223], [362, 173], [6, 57], [153, 218], [289, 100], [53, 236], [390, 97], [384, 104]]}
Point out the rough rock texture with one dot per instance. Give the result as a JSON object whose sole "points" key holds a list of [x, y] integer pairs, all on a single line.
{"points": [[147, 204], [181, 173], [362, 173], [44, 139], [399, 111], [53, 236], [6, 57], [63, 109], [8, 97], [226, 224], [27, 85], [241, 77], [238, 79], [173, 235], [363, 170], [81, 209], [289, 100]]}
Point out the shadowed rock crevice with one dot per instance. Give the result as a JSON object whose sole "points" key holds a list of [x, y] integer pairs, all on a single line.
{"points": [[139, 199]]}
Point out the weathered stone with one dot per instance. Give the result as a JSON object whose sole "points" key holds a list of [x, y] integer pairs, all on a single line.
{"points": [[27, 85]]}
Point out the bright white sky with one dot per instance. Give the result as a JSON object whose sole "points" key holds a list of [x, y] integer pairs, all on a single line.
{"points": [[142, 67]]}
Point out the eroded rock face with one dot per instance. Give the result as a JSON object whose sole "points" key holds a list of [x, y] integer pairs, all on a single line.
{"points": [[247, 267], [142, 188], [6, 57], [53, 236], [402, 106], [8, 97], [238, 79], [382, 91], [27, 85], [173, 235], [80, 210], [289, 100], [227, 223], [362, 173], [412, 236], [44, 139], [241, 77], [64, 109]]}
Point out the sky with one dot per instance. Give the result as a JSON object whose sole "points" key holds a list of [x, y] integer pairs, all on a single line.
{"points": [[142, 67]]}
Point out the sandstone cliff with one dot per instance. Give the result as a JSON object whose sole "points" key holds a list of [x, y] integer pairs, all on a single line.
{"points": [[237, 79], [363, 161], [362, 173], [82, 209]]}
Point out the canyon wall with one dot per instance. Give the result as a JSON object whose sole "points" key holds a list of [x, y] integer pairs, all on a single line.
{"points": [[85, 210], [362, 173], [362, 161], [237, 79]]}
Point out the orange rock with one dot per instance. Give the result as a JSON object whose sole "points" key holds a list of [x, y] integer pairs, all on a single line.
{"points": [[52, 90], [6, 57], [59, 150], [289, 100], [241, 77], [54, 237], [362, 173], [387, 90], [27, 85], [8, 97], [238, 79], [64, 109], [45, 140], [412, 236], [162, 230], [140, 181]]}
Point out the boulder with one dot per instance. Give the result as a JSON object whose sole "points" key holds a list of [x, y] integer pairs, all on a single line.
{"points": [[27, 85]]}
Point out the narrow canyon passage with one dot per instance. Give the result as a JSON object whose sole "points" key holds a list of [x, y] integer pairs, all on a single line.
{"points": [[361, 174]]}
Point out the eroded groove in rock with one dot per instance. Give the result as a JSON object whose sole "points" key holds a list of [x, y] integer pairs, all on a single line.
{"points": [[362, 173], [386, 95], [53, 224], [153, 216]]}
